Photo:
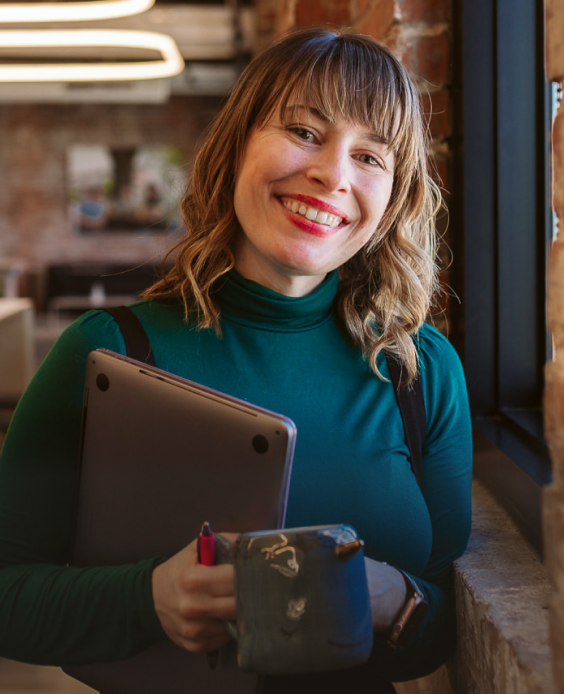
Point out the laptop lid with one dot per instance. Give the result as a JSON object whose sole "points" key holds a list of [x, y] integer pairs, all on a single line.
{"points": [[161, 454]]}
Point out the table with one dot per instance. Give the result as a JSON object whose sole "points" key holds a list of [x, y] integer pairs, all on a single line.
{"points": [[16, 346]]}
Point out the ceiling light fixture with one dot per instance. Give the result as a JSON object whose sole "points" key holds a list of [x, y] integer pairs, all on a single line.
{"points": [[72, 11], [171, 63]]}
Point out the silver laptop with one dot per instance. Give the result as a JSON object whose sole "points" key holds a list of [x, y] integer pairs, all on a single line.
{"points": [[160, 455]]}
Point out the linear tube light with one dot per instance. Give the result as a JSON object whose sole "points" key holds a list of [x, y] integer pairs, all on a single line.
{"points": [[171, 64], [72, 11]]}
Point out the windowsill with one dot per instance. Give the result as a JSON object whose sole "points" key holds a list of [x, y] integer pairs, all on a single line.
{"points": [[503, 597], [519, 435], [513, 466], [502, 601]]}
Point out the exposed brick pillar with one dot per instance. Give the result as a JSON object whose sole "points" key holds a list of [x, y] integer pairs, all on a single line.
{"points": [[554, 388], [374, 17]]}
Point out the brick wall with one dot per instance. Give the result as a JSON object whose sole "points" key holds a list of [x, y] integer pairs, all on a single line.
{"points": [[34, 223], [554, 390]]}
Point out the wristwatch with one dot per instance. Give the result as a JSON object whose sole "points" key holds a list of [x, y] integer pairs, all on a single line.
{"points": [[410, 616]]}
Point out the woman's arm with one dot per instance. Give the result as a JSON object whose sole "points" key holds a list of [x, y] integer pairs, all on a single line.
{"points": [[51, 612], [58, 614], [387, 591], [447, 480]]}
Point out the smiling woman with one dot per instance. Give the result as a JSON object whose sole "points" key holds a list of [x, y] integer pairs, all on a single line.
{"points": [[310, 193], [306, 270], [344, 82]]}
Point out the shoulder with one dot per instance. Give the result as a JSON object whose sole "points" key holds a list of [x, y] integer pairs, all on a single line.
{"points": [[442, 380], [93, 330], [98, 328], [434, 347], [90, 331], [438, 360]]}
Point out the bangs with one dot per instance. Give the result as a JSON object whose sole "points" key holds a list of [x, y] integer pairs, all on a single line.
{"points": [[351, 79]]}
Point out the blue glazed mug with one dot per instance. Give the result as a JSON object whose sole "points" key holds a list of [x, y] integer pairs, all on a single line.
{"points": [[302, 599]]}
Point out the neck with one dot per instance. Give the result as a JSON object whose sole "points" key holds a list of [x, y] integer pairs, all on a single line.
{"points": [[288, 286], [280, 282]]}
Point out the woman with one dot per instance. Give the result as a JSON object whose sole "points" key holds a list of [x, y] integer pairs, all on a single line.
{"points": [[309, 256]]}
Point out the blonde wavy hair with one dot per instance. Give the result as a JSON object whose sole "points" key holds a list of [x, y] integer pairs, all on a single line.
{"points": [[386, 289]]}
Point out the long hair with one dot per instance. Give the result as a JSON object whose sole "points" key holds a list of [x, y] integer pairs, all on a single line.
{"points": [[386, 288]]}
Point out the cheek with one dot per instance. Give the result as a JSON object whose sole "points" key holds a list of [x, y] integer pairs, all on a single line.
{"points": [[238, 199], [377, 200]]}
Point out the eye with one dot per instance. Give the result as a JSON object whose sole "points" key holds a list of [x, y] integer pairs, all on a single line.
{"points": [[370, 160], [303, 134]]}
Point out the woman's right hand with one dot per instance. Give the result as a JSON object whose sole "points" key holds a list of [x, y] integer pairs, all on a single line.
{"points": [[192, 600]]}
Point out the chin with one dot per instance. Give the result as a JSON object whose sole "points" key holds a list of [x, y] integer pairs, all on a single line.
{"points": [[304, 265]]}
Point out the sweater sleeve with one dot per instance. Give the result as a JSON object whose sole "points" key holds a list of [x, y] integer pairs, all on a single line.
{"points": [[447, 482], [50, 612]]}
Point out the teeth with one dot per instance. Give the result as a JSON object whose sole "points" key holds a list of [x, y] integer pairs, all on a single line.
{"points": [[312, 214]]}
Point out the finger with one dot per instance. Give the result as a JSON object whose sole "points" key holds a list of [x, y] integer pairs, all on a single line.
{"points": [[221, 608], [204, 635], [224, 608], [208, 581], [217, 580]]}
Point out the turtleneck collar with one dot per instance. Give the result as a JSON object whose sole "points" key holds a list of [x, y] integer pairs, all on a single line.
{"points": [[249, 303]]}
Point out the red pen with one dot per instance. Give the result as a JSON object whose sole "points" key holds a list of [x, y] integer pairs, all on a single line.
{"points": [[206, 546], [206, 556]]}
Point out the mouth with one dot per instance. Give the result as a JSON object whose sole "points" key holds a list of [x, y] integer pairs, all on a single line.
{"points": [[317, 213]]}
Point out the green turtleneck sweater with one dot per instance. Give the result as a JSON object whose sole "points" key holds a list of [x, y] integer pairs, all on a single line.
{"points": [[351, 466]]}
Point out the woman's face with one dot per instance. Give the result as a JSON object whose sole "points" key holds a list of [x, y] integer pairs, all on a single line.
{"points": [[308, 195]]}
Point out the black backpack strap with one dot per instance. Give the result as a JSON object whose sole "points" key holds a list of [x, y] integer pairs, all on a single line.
{"points": [[137, 343], [412, 408]]}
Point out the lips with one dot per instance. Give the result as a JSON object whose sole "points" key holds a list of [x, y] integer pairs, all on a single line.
{"points": [[314, 210]]}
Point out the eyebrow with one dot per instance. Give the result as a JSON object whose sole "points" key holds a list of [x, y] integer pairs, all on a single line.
{"points": [[368, 134]]}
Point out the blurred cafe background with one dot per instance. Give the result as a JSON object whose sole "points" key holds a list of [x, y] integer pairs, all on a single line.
{"points": [[98, 132]]}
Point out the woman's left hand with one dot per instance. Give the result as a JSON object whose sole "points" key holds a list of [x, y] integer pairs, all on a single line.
{"points": [[387, 593], [192, 600]]}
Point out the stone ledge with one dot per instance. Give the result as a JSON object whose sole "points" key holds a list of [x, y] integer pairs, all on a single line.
{"points": [[503, 597]]}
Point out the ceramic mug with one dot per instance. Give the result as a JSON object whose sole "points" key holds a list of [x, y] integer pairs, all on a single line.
{"points": [[302, 599]]}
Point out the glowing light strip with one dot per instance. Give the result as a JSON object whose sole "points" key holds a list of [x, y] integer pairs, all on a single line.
{"points": [[72, 11], [171, 64]]}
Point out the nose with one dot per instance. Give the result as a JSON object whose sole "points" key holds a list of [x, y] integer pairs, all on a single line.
{"points": [[330, 168]]}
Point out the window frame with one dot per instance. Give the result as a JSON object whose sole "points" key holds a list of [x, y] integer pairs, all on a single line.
{"points": [[501, 227]]}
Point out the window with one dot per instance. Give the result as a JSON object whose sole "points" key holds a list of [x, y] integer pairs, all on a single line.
{"points": [[502, 225]]}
